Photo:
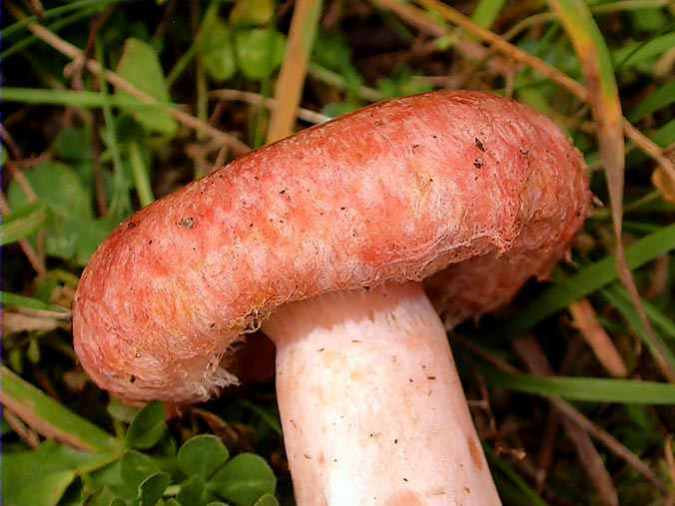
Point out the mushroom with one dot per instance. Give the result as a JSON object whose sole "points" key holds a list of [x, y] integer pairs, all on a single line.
{"points": [[325, 238]]}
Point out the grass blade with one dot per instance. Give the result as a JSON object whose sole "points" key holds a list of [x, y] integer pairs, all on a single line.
{"points": [[140, 174], [662, 97], [14, 300], [56, 11], [291, 78], [660, 350], [584, 389], [271, 420], [50, 418], [514, 480], [55, 27], [69, 98], [666, 324], [120, 202], [633, 54], [665, 135]]}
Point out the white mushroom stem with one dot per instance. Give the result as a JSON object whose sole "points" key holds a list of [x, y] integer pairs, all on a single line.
{"points": [[372, 408]]}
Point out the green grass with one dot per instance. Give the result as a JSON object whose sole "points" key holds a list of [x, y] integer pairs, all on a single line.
{"points": [[93, 154]]}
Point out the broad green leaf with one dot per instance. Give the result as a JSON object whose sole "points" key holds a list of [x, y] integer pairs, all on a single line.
{"points": [[135, 467], [150, 491], [58, 186], [102, 497], [243, 480], [70, 214], [91, 234], [74, 145], [192, 491], [147, 427], [252, 12], [31, 404], [121, 411], [584, 389], [588, 280], [140, 66], [111, 477], [45, 490], [40, 477], [202, 455], [331, 50], [216, 49], [127, 130], [486, 12], [259, 52], [23, 223], [267, 500]]}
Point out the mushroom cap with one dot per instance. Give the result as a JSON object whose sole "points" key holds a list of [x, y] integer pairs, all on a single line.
{"points": [[479, 189]]}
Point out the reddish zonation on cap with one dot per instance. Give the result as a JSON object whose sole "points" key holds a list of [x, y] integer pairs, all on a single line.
{"points": [[397, 191]]}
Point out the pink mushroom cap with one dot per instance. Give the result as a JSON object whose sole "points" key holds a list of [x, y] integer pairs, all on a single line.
{"points": [[470, 192]]}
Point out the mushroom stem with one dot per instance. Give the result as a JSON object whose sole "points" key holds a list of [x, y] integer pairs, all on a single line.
{"points": [[372, 407]]}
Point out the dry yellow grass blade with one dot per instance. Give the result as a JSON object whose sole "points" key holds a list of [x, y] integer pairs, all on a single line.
{"points": [[587, 323], [598, 70], [665, 185], [291, 79]]}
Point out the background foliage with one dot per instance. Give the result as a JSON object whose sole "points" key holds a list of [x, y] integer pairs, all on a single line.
{"points": [[109, 104]]}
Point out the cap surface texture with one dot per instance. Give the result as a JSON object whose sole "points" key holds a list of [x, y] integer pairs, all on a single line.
{"points": [[481, 191]]}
